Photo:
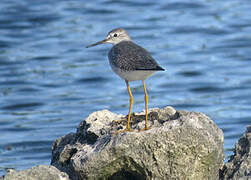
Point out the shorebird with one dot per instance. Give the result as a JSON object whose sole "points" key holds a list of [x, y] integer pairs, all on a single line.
{"points": [[131, 62]]}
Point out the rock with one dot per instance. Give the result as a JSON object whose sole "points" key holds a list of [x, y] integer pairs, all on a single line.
{"points": [[239, 165], [41, 172], [180, 145]]}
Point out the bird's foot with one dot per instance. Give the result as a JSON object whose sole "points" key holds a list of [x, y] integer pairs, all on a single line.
{"points": [[119, 121], [124, 130], [144, 129]]}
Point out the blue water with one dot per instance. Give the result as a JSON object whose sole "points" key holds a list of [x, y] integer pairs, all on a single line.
{"points": [[49, 81]]}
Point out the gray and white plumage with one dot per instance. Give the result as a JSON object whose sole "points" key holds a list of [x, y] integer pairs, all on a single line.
{"points": [[130, 61]]}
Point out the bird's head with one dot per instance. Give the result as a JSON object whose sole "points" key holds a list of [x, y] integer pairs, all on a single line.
{"points": [[114, 37]]}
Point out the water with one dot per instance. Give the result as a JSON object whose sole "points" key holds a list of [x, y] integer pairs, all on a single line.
{"points": [[49, 81]]}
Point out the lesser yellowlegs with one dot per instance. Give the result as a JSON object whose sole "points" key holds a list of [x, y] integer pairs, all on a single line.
{"points": [[131, 62]]}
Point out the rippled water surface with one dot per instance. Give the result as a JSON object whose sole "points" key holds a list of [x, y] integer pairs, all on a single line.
{"points": [[49, 81]]}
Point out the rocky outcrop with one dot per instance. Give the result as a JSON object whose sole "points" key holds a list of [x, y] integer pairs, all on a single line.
{"points": [[42, 172], [179, 145], [239, 165]]}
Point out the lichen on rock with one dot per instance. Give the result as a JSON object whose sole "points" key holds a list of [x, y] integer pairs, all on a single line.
{"points": [[179, 145]]}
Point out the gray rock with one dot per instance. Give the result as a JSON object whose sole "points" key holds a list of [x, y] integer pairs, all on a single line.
{"points": [[180, 145], [41, 172], [239, 165]]}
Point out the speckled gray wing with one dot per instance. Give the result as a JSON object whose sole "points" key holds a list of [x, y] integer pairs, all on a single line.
{"points": [[128, 56]]}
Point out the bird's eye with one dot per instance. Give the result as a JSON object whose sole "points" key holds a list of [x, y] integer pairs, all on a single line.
{"points": [[115, 35]]}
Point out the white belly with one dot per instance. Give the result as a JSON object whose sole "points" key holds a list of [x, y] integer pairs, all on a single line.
{"points": [[133, 75]]}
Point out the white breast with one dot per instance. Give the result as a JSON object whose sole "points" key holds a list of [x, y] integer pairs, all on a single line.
{"points": [[132, 75]]}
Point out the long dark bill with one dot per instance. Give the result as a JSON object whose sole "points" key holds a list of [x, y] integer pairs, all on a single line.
{"points": [[97, 43]]}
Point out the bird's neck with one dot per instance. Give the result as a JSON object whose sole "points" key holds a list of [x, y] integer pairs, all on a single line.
{"points": [[124, 40]]}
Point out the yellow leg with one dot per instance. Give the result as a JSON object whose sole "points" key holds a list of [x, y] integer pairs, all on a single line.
{"points": [[130, 108], [146, 105]]}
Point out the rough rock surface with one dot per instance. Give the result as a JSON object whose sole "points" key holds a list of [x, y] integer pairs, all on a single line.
{"points": [[239, 165], [42, 172], [180, 145]]}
